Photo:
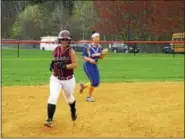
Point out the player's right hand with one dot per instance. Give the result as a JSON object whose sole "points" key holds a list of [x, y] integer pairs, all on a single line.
{"points": [[51, 66], [92, 61], [96, 55], [50, 69]]}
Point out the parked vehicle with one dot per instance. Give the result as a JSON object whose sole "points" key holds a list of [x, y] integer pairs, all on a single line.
{"points": [[119, 47], [124, 48], [178, 47], [167, 49], [133, 48], [48, 46], [51, 46], [78, 47]]}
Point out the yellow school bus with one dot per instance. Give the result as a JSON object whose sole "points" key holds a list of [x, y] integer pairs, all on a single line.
{"points": [[178, 47]]}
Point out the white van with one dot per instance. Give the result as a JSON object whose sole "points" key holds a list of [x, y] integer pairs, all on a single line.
{"points": [[48, 46]]}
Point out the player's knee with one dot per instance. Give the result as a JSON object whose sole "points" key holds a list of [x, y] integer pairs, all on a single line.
{"points": [[52, 100], [71, 99], [96, 84]]}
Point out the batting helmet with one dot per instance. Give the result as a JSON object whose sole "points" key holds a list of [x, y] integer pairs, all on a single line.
{"points": [[64, 34]]}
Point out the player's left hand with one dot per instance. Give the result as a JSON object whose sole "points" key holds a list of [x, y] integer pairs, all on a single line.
{"points": [[104, 53]]}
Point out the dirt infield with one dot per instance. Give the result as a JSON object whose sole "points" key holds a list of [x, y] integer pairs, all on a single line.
{"points": [[120, 110]]}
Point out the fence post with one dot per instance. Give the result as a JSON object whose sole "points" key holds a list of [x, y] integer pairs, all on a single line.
{"points": [[134, 47], [174, 51], [18, 50], [134, 52]]}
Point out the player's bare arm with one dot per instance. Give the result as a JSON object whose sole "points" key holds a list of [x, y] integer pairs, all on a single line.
{"points": [[89, 59], [74, 60]]}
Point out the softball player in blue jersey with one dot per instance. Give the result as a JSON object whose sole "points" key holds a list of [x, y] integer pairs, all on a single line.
{"points": [[91, 54]]}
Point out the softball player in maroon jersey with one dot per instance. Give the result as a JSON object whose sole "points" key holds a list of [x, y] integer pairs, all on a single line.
{"points": [[63, 64]]}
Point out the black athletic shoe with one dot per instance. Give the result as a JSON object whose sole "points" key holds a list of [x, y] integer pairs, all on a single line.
{"points": [[48, 123]]}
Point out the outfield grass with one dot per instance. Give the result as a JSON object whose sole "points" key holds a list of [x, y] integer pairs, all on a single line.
{"points": [[32, 67]]}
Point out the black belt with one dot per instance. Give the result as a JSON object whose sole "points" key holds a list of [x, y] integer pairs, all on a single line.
{"points": [[64, 78]]}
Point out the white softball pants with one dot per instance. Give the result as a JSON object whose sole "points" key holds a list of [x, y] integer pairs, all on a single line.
{"points": [[56, 85]]}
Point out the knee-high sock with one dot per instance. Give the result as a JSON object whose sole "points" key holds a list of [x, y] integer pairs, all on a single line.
{"points": [[51, 110], [72, 106]]}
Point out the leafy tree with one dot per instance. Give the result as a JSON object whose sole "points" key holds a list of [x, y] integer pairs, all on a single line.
{"points": [[32, 23], [85, 15], [140, 19]]}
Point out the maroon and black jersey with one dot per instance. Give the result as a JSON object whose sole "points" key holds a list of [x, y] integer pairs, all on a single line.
{"points": [[62, 56]]}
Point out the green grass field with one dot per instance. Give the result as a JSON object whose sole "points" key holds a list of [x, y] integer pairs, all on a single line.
{"points": [[32, 67]]}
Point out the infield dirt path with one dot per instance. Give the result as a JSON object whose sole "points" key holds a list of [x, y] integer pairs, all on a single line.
{"points": [[121, 110]]}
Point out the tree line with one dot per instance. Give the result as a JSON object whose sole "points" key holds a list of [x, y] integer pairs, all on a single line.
{"points": [[115, 20]]}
